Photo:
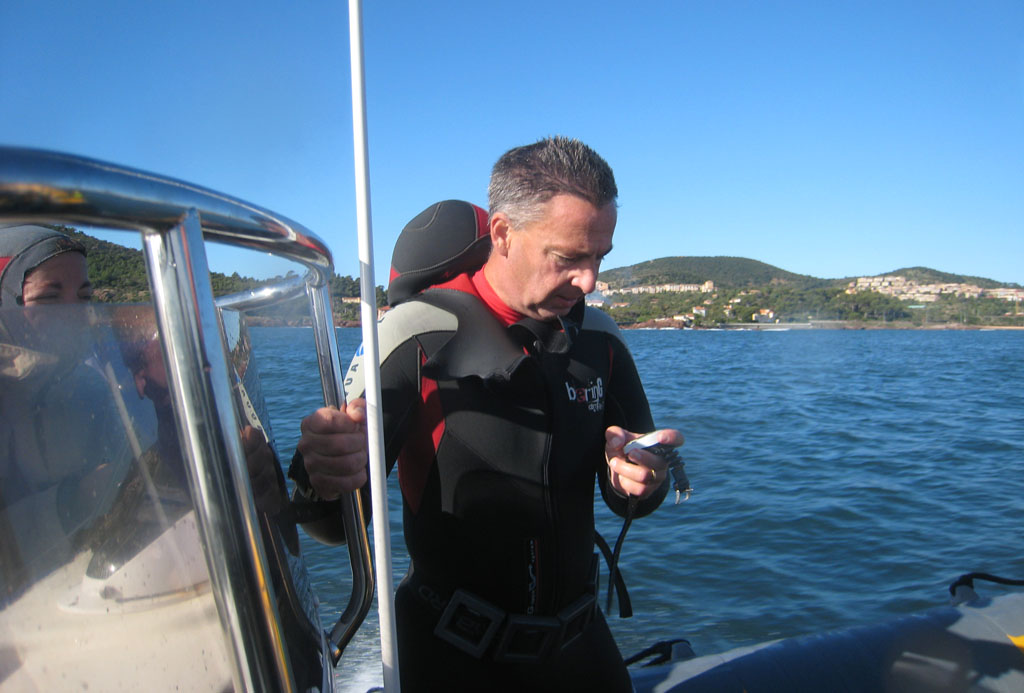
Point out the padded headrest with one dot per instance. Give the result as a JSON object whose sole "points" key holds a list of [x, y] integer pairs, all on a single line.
{"points": [[441, 242]]}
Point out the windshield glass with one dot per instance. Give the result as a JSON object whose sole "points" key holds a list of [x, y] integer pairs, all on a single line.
{"points": [[103, 578]]}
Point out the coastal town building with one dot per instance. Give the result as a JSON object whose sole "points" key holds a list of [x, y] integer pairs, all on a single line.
{"points": [[707, 287], [1016, 295], [905, 289]]}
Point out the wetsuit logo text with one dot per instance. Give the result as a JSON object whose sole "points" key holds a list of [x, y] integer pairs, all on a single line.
{"points": [[592, 395]]}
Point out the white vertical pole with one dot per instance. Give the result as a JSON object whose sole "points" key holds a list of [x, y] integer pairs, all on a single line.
{"points": [[371, 359]]}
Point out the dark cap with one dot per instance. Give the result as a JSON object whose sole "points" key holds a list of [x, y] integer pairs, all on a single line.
{"points": [[22, 249]]}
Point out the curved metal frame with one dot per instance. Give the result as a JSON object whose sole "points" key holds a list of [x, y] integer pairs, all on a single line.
{"points": [[174, 219]]}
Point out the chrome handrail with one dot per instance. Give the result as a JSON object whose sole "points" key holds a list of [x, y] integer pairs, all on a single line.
{"points": [[174, 218], [37, 183], [353, 514], [251, 299]]}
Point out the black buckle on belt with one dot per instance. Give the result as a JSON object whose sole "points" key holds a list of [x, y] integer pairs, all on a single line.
{"points": [[469, 623], [528, 638], [575, 618]]}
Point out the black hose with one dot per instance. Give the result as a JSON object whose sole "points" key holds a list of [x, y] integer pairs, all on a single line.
{"points": [[613, 568]]}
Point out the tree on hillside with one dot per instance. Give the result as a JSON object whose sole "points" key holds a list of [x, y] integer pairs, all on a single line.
{"points": [[725, 272], [119, 275]]}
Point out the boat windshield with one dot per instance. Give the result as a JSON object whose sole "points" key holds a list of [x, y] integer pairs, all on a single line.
{"points": [[101, 554], [105, 583], [146, 536]]}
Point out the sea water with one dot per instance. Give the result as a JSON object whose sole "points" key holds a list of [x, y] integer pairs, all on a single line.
{"points": [[840, 478]]}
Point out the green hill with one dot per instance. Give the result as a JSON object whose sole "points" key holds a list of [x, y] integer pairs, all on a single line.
{"points": [[118, 275], [926, 275], [750, 291], [740, 273], [725, 272]]}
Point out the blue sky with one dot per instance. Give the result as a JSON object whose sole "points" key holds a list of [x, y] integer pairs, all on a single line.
{"points": [[826, 138]]}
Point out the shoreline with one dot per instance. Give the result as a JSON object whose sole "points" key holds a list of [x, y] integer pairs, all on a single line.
{"points": [[726, 327], [818, 325]]}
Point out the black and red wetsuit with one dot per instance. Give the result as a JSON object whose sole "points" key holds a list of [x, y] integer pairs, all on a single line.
{"points": [[497, 425]]}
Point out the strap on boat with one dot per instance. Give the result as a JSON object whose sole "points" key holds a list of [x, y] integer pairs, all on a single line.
{"points": [[969, 578], [663, 652]]}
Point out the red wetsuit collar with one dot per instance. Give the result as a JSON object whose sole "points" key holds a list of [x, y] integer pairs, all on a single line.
{"points": [[478, 286]]}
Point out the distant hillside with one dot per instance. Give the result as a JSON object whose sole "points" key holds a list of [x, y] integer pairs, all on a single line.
{"points": [[725, 272], [118, 275], [926, 275], [740, 272]]}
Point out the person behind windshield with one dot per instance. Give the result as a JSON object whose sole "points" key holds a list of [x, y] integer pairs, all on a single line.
{"points": [[58, 457]]}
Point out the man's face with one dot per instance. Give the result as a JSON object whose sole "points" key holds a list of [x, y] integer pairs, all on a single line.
{"points": [[553, 262], [151, 376]]}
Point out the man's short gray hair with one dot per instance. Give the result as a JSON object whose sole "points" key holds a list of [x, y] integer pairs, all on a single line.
{"points": [[526, 177]]}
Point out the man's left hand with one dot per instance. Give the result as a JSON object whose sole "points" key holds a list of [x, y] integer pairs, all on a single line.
{"points": [[639, 473]]}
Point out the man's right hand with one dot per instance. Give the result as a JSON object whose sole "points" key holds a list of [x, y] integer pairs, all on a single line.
{"points": [[333, 447]]}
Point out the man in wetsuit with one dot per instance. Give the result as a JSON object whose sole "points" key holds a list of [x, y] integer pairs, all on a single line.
{"points": [[503, 399]]}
